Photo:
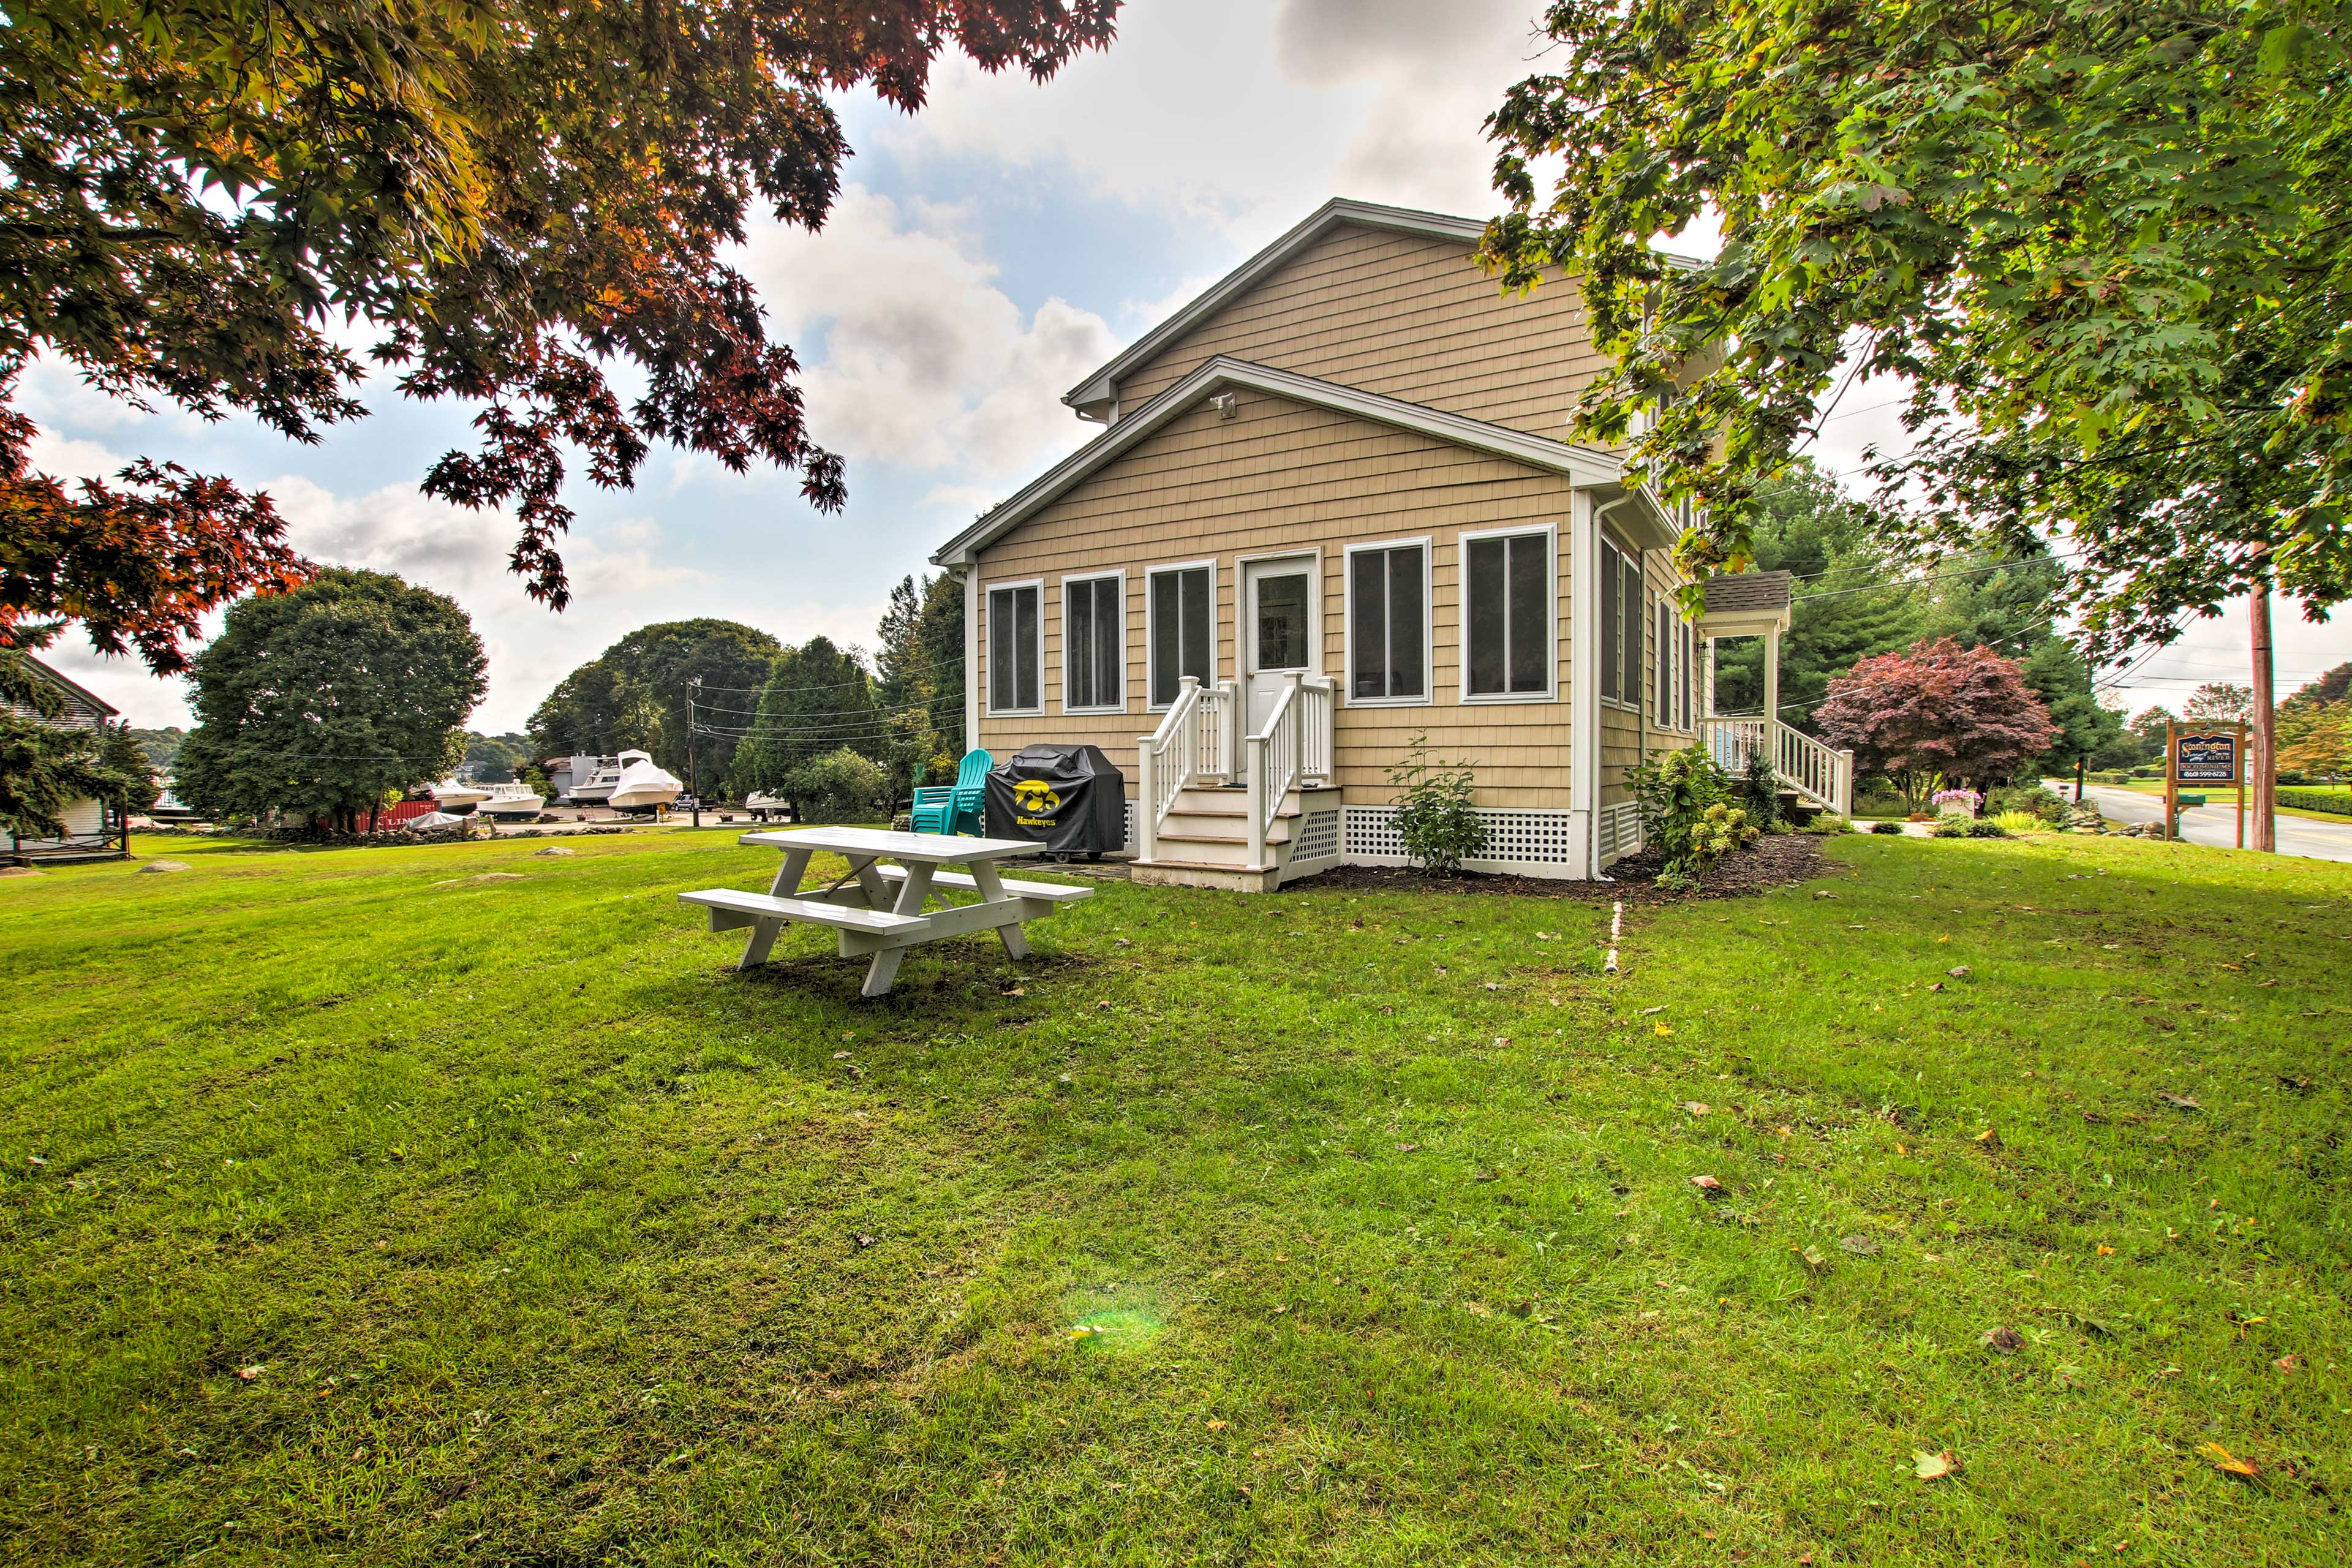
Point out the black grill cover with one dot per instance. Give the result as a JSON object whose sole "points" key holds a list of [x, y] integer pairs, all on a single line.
{"points": [[1068, 798]]}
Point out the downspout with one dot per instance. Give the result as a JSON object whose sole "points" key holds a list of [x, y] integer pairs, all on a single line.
{"points": [[971, 653], [1584, 721]]}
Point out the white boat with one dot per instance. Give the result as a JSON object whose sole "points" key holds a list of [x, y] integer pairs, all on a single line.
{"points": [[451, 795], [763, 806], [592, 778], [641, 787], [518, 801]]}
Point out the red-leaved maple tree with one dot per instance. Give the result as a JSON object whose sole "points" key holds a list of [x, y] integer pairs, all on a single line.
{"points": [[1937, 710], [512, 196]]}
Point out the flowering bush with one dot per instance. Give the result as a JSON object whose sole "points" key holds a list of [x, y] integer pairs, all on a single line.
{"points": [[1955, 801], [1684, 801]]}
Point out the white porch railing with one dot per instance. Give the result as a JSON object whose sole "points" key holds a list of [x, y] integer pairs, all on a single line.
{"points": [[1819, 773], [1194, 741], [1199, 740], [1292, 746]]}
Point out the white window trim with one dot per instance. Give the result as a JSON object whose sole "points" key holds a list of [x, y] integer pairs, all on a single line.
{"points": [[987, 640], [1119, 576], [1151, 642], [1428, 699], [1461, 543], [1634, 559]]}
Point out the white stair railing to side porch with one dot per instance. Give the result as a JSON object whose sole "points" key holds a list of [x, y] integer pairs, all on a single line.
{"points": [[1291, 747], [1194, 741], [1819, 773]]}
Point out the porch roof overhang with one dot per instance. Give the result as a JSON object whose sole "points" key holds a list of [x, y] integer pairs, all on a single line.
{"points": [[1748, 605], [1584, 467]]}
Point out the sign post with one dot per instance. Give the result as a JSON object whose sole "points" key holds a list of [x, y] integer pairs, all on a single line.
{"points": [[2207, 757], [2171, 778]]}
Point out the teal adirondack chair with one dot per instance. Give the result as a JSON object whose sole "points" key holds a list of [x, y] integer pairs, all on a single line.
{"points": [[956, 807]]}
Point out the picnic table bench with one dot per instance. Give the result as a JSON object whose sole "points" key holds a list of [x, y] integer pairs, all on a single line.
{"points": [[879, 909]]}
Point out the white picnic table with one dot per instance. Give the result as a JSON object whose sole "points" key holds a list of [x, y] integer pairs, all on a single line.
{"points": [[878, 909]]}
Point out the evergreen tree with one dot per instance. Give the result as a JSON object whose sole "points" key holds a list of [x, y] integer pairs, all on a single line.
{"points": [[330, 700], [1807, 526], [819, 700], [45, 767], [637, 693], [942, 633]]}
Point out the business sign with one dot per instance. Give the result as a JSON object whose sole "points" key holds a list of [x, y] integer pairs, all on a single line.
{"points": [[2206, 759]]}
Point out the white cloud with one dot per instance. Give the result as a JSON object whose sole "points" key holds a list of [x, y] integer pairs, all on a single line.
{"points": [[1245, 117], [927, 363]]}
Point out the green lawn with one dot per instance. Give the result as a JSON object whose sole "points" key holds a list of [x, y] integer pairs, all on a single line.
{"points": [[353, 1212]]}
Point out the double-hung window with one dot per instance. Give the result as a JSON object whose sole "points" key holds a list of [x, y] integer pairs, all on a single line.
{"points": [[1388, 622], [1093, 644], [1507, 615], [1670, 652], [1621, 625], [1017, 653], [1690, 676], [1182, 616]]}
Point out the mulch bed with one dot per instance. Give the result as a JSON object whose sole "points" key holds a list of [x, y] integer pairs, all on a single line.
{"points": [[1777, 860]]}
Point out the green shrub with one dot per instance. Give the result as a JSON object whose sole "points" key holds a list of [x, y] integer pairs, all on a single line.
{"points": [[1893, 829], [1828, 825], [2332, 802], [1985, 828], [2033, 799], [2020, 821], [1433, 815], [1686, 802], [1951, 827], [840, 784]]}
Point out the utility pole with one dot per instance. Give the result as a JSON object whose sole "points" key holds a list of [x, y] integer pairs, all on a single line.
{"points": [[693, 785], [2262, 773]]}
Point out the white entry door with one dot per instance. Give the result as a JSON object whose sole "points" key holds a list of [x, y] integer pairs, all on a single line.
{"points": [[1279, 634]]}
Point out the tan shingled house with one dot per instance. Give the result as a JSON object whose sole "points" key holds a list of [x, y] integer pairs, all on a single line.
{"points": [[1335, 503]]}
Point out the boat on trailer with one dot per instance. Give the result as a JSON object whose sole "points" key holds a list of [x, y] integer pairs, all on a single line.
{"points": [[512, 802], [643, 786]]}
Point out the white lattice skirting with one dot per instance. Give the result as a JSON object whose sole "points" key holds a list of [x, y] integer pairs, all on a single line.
{"points": [[1522, 843]]}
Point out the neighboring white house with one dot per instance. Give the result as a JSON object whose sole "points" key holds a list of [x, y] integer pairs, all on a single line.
{"points": [[94, 828]]}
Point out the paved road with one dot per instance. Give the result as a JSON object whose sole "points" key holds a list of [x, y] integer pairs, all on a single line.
{"points": [[2217, 825]]}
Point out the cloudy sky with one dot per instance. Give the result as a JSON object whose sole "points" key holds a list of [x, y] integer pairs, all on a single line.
{"points": [[983, 256]]}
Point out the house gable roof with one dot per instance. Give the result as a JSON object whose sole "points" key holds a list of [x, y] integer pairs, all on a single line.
{"points": [[74, 689], [1585, 465], [1100, 387]]}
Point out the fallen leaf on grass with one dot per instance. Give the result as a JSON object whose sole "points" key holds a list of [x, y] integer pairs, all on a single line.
{"points": [[1990, 1138], [2224, 1461], [1959, 971], [1932, 1466], [865, 1240], [2288, 1362], [841, 1056], [1695, 1107], [1861, 1246], [1814, 1259], [1662, 1031], [2105, 1251], [1659, 1008], [1219, 1426], [2185, 1101], [1015, 990], [2005, 1340], [248, 1373], [1707, 1184]]}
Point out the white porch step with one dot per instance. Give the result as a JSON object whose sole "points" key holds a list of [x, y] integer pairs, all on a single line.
{"points": [[1166, 873]]}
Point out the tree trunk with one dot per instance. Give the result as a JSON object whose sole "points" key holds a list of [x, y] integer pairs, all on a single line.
{"points": [[2261, 767]]}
